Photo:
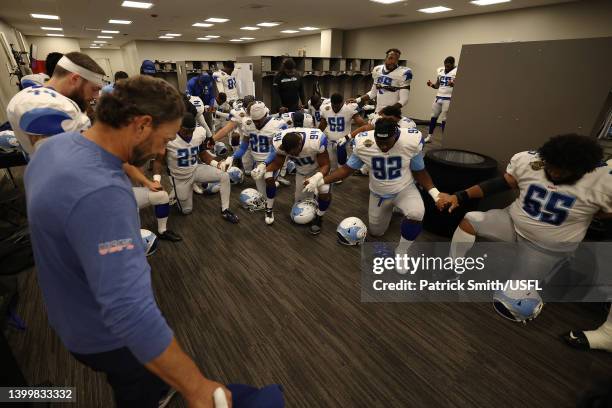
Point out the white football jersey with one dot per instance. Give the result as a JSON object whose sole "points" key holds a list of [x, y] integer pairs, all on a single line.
{"points": [[552, 216], [239, 116], [182, 156], [338, 124], [389, 83], [43, 112], [389, 172], [226, 83], [314, 143], [445, 90], [288, 118], [404, 123], [316, 113], [260, 140]]}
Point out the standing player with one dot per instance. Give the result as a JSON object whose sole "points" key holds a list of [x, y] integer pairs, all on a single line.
{"points": [[336, 120], [307, 147], [561, 187], [182, 159], [152, 194], [444, 84], [391, 85], [226, 83], [260, 128], [36, 113], [395, 158]]}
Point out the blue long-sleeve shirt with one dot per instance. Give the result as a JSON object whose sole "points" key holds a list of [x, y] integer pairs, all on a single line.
{"points": [[89, 254], [202, 86]]}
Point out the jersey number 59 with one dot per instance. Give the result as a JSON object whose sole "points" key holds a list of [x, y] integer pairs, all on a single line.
{"points": [[549, 207]]}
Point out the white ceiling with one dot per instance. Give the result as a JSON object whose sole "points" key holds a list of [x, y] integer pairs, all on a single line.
{"points": [[177, 16]]}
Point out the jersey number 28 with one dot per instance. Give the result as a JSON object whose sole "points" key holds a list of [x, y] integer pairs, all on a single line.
{"points": [[549, 207]]}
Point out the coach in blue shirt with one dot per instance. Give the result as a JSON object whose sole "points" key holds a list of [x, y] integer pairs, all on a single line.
{"points": [[89, 255]]}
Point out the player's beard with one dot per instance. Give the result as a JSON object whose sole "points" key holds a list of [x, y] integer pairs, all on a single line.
{"points": [[141, 154], [78, 97]]}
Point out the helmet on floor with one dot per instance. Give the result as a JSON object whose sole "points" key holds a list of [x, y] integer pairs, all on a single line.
{"points": [[149, 241], [303, 212], [236, 175], [291, 168], [212, 188], [220, 149], [351, 231], [251, 199], [518, 305]]}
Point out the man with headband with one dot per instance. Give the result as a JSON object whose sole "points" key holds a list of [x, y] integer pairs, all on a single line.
{"points": [[38, 112], [391, 83]]}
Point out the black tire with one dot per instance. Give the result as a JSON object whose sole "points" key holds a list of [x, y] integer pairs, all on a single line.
{"points": [[452, 170]]}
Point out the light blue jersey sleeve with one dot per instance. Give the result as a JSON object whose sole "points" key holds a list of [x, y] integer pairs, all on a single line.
{"points": [[354, 162], [417, 163]]}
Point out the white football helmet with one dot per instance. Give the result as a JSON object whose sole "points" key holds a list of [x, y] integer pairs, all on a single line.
{"points": [[149, 241], [303, 212], [252, 200], [236, 175], [351, 231], [518, 305], [220, 149], [8, 142], [212, 188]]}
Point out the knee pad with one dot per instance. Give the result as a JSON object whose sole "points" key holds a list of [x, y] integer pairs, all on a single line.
{"points": [[474, 216], [158, 197]]}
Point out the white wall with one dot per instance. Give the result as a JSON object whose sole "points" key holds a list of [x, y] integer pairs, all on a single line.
{"points": [[426, 44], [285, 46], [114, 57], [181, 51], [54, 44], [129, 52]]}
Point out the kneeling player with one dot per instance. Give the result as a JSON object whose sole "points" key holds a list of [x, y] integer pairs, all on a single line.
{"points": [[182, 159], [307, 147], [394, 156], [152, 194], [561, 187]]}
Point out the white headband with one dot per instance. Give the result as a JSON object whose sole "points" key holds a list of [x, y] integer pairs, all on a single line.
{"points": [[86, 74]]}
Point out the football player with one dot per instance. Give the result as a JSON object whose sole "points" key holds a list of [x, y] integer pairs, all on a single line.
{"points": [[152, 194], [260, 128], [36, 113], [391, 83], [225, 82], [236, 127], [336, 120], [197, 102], [444, 84], [314, 108], [396, 161], [307, 147], [561, 187], [182, 156]]}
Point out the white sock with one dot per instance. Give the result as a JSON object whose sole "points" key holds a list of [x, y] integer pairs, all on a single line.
{"points": [[162, 225], [462, 242], [225, 191], [601, 338], [269, 203], [320, 213], [402, 247]]}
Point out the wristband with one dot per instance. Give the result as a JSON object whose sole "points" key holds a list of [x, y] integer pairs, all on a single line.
{"points": [[214, 163], [358, 100], [434, 193], [462, 196], [157, 177]]}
